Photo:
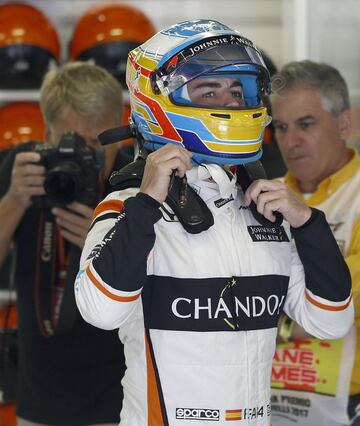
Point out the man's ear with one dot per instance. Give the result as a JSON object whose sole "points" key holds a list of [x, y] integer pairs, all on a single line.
{"points": [[345, 124]]}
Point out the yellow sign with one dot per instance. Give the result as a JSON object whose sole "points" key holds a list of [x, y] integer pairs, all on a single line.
{"points": [[309, 365]]}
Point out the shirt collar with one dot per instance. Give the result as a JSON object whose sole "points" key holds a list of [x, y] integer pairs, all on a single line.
{"points": [[330, 184]]}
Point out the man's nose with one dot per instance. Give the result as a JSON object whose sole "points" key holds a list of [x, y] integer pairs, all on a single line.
{"points": [[293, 137], [289, 138], [230, 101], [235, 103]]}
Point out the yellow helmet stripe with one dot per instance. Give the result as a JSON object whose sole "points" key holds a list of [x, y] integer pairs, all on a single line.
{"points": [[233, 148]]}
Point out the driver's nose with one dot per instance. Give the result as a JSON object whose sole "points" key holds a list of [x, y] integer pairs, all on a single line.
{"points": [[235, 103], [229, 100]]}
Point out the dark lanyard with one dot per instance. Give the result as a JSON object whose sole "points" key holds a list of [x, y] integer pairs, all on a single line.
{"points": [[50, 274], [54, 295]]}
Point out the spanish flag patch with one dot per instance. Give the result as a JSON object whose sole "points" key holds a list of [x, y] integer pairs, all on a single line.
{"points": [[233, 414]]}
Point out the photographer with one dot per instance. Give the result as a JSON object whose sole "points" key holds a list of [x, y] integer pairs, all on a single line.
{"points": [[69, 372]]}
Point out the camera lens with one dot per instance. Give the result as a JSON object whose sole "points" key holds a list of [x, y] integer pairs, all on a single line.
{"points": [[62, 183]]}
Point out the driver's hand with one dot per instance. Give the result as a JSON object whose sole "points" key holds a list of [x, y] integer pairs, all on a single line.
{"points": [[274, 195], [159, 167]]}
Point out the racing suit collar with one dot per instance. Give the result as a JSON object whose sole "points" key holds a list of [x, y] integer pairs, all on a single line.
{"points": [[225, 182]]}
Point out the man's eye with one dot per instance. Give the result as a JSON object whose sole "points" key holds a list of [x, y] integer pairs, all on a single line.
{"points": [[208, 95], [237, 94], [306, 124], [280, 126]]}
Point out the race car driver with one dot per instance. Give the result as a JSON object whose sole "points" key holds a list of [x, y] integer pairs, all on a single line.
{"points": [[181, 266]]}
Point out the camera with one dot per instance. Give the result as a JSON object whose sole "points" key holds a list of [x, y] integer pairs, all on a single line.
{"points": [[72, 172]]}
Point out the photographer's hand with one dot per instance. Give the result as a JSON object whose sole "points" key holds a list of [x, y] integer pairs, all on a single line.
{"points": [[274, 195], [74, 222], [27, 179]]}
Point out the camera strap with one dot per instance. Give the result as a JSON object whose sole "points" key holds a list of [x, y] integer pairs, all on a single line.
{"points": [[9, 339], [52, 295]]}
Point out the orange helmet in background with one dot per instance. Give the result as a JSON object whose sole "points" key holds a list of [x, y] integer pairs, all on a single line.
{"points": [[29, 46], [20, 122], [106, 33]]}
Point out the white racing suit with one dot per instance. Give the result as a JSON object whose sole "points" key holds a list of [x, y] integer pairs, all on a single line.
{"points": [[197, 313]]}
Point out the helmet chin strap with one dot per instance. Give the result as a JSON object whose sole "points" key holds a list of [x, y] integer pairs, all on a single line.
{"points": [[117, 134], [194, 216]]}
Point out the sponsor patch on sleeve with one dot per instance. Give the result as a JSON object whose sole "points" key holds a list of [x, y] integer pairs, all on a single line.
{"points": [[94, 252]]}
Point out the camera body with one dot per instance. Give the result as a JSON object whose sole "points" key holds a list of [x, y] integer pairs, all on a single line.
{"points": [[72, 172]]}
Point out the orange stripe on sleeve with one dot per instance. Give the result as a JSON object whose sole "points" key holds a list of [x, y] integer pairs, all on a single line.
{"points": [[107, 292], [114, 205], [328, 307]]}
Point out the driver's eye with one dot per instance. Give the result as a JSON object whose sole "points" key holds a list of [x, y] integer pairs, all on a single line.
{"points": [[237, 94]]}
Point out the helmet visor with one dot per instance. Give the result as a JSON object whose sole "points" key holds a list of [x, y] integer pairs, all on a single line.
{"points": [[221, 91], [186, 66]]}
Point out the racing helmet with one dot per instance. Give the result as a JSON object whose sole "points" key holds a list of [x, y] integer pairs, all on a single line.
{"points": [[105, 34], [29, 46], [179, 81], [20, 122]]}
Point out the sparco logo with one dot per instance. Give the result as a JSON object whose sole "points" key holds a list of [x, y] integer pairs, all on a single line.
{"points": [[47, 242], [207, 414]]}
